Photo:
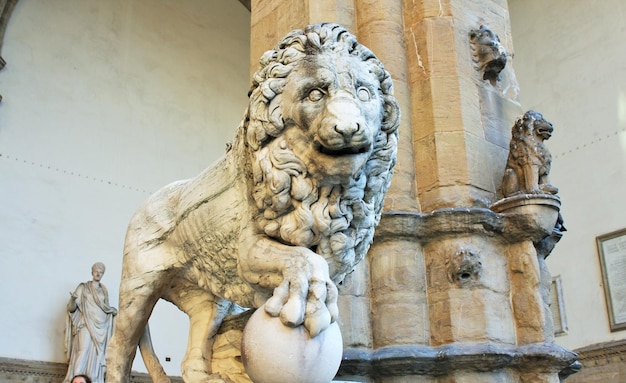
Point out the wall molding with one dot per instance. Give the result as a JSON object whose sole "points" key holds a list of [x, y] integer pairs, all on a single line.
{"points": [[602, 353], [34, 371]]}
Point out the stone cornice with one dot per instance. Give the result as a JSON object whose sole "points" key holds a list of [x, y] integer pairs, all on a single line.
{"points": [[602, 350], [33, 368], [406, 360], [512, 226], [18, 370]]}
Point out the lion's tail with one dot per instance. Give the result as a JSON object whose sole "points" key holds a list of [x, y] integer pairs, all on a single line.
{"points": [[150, 359]]}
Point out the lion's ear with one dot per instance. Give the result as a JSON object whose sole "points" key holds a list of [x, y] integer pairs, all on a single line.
{"points": [[391, 116]]}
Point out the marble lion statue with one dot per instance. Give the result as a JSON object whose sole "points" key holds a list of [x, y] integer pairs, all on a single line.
{"points": [[528, 164], [282, 217]]}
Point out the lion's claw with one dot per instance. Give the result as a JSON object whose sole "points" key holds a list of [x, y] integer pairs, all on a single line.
{"points": [[278, 299], [292, 314], [298, 301], [315, 324]]}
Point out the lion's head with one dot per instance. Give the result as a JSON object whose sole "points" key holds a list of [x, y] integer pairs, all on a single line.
{"points": [[321, 133], [532, 124], [488, 52]]}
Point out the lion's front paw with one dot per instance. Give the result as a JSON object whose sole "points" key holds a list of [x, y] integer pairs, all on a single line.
{"points": [[549, 189], [305, 296]]}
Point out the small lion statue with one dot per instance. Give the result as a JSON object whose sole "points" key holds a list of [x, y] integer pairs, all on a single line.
{"points": [[528, 164], [282, 217]]}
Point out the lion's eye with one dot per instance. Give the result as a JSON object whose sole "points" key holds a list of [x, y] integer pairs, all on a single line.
{"points": [[363, 94], [316, 95]]}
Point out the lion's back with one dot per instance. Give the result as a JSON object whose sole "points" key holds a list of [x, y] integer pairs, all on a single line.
{"points": [[156, 217]]}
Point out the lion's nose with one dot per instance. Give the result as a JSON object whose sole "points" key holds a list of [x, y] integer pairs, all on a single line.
{"points": [[347, 128]]}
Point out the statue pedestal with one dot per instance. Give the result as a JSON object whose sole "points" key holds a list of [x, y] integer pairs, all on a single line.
{"points": [[540, 210]]}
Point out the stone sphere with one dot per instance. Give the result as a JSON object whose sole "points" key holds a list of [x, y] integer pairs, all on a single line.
{"points": [[275, 353]]}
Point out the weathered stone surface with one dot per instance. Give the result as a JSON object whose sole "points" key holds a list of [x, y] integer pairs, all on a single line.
{"points": [[407, 360], [32, 371]]}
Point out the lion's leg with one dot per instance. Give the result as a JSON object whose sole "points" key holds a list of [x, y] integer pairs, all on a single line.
{"points": [[531, 179], [206, 313], [510, 186], [139, 293]]}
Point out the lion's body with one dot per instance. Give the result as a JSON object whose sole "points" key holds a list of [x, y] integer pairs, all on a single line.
{"points": [[186, 227], [528, 164], [285, 214]]}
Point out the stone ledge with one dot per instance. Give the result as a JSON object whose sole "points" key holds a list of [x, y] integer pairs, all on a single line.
{"points": [[515, 227], [602, 363], [600, 352], [33, 371], [406, 360]]}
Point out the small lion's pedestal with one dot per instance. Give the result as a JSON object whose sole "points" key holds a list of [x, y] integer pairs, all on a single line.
{"points": [[537, 216], [540, 210], [274, 353]]}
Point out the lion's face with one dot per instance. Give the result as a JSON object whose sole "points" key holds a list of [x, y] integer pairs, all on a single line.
{"points": [[542, 129], [332, 112]]}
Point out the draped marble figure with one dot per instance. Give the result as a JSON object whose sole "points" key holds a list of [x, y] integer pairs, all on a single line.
{"points": [[89, 327]]}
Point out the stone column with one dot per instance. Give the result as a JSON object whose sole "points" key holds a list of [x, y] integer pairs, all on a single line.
{"points": [[452, 288], [460, 121], [270, 20]]}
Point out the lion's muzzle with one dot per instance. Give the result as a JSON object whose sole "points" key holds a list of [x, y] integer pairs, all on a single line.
{"points": [[544, 130], [343, 128]]}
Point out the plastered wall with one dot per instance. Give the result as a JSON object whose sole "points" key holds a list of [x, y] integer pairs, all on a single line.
{"points": [[570, 61], [103, 103]]}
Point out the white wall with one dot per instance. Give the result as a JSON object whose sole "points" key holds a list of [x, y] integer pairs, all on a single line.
{"points": [[104, 102], [570, 61]]}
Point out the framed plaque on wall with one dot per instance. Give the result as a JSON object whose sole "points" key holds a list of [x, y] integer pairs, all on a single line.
{"points": [[557, 307], [612, 252]]}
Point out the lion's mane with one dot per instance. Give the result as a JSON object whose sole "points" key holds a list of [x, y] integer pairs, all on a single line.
{"points": [[336, 221]]}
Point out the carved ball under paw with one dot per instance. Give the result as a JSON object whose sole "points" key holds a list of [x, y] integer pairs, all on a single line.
{"points": [[275, 353]]}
